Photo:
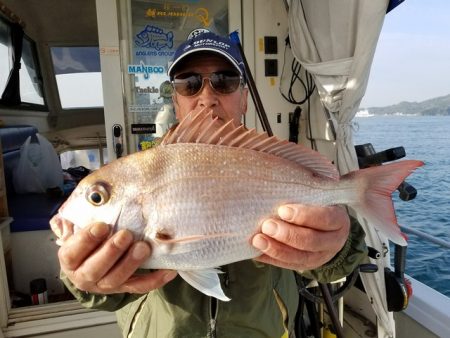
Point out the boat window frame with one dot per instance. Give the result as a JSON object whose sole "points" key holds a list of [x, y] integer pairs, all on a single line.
{"points": [[24, 105], [7, 43]]}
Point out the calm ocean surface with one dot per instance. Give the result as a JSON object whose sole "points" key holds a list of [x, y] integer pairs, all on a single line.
{"points": [[426, 139]]}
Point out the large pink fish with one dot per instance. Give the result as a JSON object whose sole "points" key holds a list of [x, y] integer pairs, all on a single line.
{"points": [[199, 197]]}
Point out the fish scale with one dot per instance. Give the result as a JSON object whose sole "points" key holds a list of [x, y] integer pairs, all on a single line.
{"points": [[231, 203]]}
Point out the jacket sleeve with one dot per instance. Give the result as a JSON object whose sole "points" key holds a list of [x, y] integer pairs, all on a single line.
{"points": [[111, 303], [346, 260]]}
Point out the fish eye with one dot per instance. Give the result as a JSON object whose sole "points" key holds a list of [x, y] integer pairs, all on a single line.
{"points": [[96, 198], [98, 194]]}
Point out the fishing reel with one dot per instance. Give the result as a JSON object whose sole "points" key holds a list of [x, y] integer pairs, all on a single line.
{"points": [[368, 157]]}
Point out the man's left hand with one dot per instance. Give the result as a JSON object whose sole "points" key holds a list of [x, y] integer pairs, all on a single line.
{"points": [[305, 237]]}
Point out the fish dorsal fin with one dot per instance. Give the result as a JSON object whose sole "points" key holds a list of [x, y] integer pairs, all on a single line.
{"points": [[202, 127]]}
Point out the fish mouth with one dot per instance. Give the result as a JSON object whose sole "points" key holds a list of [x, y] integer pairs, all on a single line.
{"points": [[62, 228]]}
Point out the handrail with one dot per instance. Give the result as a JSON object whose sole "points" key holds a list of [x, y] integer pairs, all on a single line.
{"points": [[426, 236]]}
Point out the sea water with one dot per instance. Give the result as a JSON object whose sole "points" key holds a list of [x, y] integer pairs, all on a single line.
{"points": [[425, 138]]}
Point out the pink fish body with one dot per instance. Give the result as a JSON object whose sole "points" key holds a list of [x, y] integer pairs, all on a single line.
{"points": [[199, 197]]}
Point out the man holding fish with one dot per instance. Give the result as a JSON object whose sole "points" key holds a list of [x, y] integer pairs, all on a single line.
{"points": [[100, 266]]}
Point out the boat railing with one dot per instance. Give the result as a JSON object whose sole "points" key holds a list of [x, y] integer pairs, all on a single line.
{"points": [[427, 237]]}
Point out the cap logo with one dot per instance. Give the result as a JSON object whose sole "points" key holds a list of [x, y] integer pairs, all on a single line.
{"points": [[211, 43], [197, 32]]}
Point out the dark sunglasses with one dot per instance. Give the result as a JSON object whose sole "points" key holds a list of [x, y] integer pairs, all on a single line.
{"points": [[223, 82]]}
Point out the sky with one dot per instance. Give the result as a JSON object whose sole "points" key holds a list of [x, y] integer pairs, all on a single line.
{"points": [[412, 59]]}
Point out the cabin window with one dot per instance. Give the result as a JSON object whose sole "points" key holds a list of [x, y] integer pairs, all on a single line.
{"points": [[5, 63], [20, 83], [30, 83], [78, 76], [88, 158]]}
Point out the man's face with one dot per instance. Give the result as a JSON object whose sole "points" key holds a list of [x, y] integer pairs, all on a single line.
{"points": [[224, 106]]}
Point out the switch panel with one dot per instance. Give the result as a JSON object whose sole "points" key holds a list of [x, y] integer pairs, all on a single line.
{"points": [[270, 45], [271, 67]]}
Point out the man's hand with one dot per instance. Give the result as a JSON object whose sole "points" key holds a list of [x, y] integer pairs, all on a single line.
{"points": [[304, 237], [99, 263]]}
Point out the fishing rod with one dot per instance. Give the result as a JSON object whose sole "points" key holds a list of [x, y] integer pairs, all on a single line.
{"points": [[234, 36]]}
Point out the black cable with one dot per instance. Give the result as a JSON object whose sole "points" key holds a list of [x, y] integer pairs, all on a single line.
{"points": [[296, 72], [308, 88], [325, 288], [310, 136]]}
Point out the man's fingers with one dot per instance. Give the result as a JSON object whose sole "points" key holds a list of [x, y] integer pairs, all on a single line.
{"points": [[301, 238], [78, 247], [126, 267], [102, 260], [320, 218], [279, 254]]}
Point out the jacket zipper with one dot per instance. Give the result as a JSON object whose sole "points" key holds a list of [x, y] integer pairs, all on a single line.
{"points": [[214, 306], [213, 311]]}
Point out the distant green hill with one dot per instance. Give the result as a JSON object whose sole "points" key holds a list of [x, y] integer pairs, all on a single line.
{"points": [[431, 107]]}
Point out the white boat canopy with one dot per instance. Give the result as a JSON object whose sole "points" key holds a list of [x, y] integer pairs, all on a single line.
{"points": [[335, 41]]}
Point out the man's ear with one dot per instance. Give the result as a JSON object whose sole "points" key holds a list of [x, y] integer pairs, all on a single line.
{"points": [[244, 101], [176, 107]]}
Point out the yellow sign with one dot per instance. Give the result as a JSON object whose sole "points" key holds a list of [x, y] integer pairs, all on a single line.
{"points": [[148, 144], [201, 14], [261, 45]]}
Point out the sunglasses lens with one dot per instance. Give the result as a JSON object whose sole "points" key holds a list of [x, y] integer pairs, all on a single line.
{"points": [[225, 82], [188, 84]]}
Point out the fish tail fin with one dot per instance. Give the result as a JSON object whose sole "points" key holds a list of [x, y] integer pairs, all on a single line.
{"points": [[374, 203]]}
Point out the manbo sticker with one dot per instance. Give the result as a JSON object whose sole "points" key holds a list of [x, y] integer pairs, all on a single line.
{"points": [[154, 38], [142, 68]]}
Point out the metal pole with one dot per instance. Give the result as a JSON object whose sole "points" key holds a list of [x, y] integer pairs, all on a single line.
{"points": [[428, 237]]}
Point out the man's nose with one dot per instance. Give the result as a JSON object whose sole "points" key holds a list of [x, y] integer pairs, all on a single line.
{"points": [[207, 96]]}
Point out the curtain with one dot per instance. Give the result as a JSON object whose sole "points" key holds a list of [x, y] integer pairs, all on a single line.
{"points": [[335, 41]]}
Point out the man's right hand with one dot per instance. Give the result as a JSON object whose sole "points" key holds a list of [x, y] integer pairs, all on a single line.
{"points": [[98, 263]]}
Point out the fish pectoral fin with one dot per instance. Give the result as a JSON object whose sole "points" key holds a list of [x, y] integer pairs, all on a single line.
{"points": [[206, 281], [164, 239]]}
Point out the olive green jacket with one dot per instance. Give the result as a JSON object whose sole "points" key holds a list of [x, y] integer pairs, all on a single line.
{"points": [[264, 300]]}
